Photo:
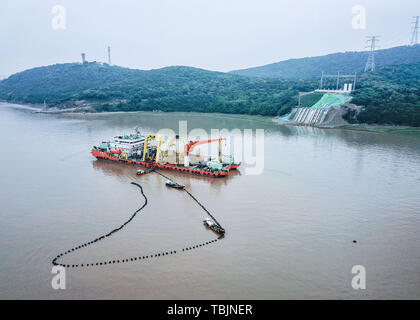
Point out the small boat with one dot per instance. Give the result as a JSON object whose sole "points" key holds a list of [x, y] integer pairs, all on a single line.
{"points": [[140, 172], [213, 226], [172, 184]]}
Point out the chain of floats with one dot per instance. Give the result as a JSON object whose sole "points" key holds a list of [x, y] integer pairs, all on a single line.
{"points": [[131, 259], [195, 199]]}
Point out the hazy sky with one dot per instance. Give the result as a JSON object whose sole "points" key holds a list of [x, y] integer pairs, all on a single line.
{"points": [[213, 34]]}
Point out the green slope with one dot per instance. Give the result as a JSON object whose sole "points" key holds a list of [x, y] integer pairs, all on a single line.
{"points": [[112, 88], [57, 83], [389, 96], [331, 100], [345, 62]]}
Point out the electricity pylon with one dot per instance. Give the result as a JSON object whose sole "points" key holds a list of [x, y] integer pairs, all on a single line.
{"points": [[370, 63]]}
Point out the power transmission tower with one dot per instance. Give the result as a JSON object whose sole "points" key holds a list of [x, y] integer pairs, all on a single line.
{"points": [[371, 43], [109, 55], [415, 33]]}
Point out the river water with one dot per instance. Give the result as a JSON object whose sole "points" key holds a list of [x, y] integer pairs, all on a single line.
{"points": [[290, 229]]}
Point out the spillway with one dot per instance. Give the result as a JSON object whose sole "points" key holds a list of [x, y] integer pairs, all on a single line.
{"points": [[310, 116], [317, 113]]}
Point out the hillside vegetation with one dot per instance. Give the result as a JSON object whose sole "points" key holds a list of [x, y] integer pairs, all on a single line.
{"points": [[344, 62], [391, 95], [112, 88]]}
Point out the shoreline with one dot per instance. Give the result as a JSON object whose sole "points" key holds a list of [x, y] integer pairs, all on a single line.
{"points": [[371, 128], [32, 107], [405, 130], [237, 116]]}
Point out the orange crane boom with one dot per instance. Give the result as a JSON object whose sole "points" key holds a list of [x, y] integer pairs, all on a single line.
{"points": [[188, 148]]}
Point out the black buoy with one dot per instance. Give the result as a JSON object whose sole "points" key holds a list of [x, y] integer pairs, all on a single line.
{"points": [[354, 241], [54, 261]]}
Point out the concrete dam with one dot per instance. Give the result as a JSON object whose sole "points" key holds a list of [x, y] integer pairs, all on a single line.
{"points": [[327, 109], [310, 116]]}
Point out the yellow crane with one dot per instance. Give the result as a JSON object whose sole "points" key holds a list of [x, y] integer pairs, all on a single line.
{"points": [[150, 137]]}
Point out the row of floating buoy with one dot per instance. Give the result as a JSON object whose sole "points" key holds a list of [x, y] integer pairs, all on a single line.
{"points": [[199, 245], [125, 260], [54, 262], [194, 198], [132, 259]]}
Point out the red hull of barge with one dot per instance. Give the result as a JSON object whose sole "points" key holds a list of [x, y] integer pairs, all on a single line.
{"points": [[104, 155]]}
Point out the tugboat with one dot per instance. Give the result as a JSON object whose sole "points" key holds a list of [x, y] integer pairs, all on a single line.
{"points": [[213, 226], [172, 184]]}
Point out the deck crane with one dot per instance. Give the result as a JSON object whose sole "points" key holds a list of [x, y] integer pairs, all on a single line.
{"points": [[188, 148], [150, 137]]}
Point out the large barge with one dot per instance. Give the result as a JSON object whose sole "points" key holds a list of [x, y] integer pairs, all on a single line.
{"points": [[150, 152]]}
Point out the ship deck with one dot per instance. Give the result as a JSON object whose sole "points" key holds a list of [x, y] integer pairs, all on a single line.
{"points": [[224, 172]]}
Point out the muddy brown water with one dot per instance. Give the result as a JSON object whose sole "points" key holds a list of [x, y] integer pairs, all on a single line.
{"points": [[290, 230]]}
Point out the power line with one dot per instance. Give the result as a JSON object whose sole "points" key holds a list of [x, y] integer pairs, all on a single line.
{"points": [[415, 32], [371, 43], [393, 39]]}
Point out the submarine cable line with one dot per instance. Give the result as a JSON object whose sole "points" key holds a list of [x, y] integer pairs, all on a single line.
{"points": [[135, 258]]}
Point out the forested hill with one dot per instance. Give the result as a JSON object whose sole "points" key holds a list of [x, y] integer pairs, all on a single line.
{"points": [[391, 95], [345, 62], [59, 82], [113, 88]]}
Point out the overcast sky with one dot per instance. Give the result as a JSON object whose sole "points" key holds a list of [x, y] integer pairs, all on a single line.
{"points": [[218, 35]]}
